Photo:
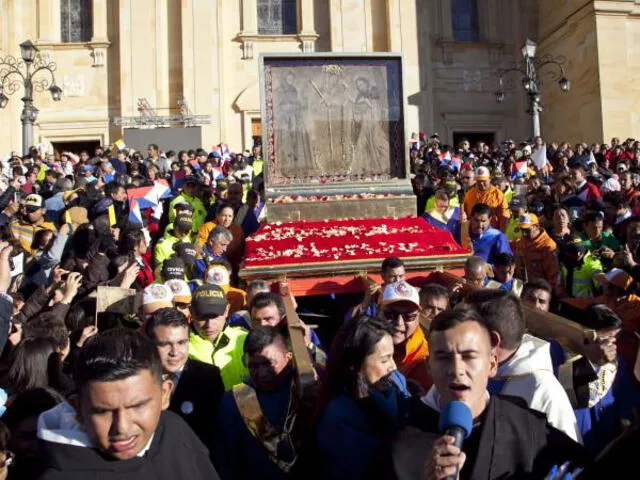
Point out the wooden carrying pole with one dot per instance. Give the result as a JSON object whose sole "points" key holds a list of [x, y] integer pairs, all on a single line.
{"points": [[306, 377], [549, 326]]}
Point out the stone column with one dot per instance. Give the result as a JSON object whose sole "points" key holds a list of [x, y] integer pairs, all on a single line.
{"points": [[100, 39], [48, 14], [307, 33], [162, 57]]}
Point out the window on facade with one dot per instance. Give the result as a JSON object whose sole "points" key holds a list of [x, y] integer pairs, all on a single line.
{"points": [[464, 18], [76, 21], [277, 17]]}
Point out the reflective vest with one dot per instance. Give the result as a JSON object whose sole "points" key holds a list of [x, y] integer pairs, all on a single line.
{"points": [[226, 354], [199, 211], [583, 285], [164, 246]]}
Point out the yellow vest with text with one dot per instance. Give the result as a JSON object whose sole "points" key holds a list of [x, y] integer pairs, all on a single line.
{"points": [[229, 358]]}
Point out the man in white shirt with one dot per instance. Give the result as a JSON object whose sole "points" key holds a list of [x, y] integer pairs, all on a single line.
{"points": [[525, 369]]}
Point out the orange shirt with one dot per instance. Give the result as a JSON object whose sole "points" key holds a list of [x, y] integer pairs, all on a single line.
{"points": [[538, 256], [492, 197], [414, 363]]}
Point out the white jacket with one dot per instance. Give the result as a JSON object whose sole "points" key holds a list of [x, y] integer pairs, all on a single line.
{"points": [[528, 374]]}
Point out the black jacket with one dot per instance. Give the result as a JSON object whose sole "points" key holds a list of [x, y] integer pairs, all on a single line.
{"points": [[175, 453], [196, 398], [511, 442]]}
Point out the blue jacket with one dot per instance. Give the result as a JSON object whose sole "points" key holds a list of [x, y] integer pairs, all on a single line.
{"points": [[489, 244], [452, 225], [352, 434], [236, 453]]}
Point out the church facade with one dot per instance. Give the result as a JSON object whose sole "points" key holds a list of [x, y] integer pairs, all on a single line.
{"points": [[201, 56]]}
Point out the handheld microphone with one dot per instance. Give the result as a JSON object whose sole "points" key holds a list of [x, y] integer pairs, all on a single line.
{"points": [[456, 420]]}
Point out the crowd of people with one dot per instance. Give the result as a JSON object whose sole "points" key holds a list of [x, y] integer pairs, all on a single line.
{"points": [[197, 377]]}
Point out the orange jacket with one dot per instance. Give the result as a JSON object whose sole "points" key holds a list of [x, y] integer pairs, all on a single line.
{"points": [[492, 197], [538, 256], [414, 363]]}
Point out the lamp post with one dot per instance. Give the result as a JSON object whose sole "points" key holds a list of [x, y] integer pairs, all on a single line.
{"points": [[531, 82], [13, 70]]}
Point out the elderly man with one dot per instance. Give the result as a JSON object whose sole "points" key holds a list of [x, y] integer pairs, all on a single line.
{"points": [[224, 218], [401, 307], [215, 249], [485, 193]]}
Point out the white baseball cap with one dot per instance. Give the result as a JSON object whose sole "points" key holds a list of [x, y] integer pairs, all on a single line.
{"points": [[400, 292], [180, 290], [482, 173], [155, 297]]}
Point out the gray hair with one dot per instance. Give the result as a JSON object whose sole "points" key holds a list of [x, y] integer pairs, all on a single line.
{"points": [[219, 233]]}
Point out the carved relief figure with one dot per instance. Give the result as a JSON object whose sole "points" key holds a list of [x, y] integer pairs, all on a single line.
{"points": [[370, 141], [293, 147]]}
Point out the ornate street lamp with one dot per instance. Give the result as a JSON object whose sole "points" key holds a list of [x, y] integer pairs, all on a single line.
{"points": [[530, 80], [13, 70]]}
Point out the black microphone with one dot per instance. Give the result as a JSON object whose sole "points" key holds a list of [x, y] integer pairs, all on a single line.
{"points": [[456, 420]]}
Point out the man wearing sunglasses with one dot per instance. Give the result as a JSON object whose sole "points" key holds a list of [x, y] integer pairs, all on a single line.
{"points": [[401, 306]]}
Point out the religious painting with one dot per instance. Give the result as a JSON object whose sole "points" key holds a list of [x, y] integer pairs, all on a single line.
{"points": [[333, 119]]}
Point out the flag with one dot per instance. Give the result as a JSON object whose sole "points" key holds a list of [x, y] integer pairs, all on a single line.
{"points": [[519, 169], [134, 212], [539, 157], [119, 144], [150, 196]]}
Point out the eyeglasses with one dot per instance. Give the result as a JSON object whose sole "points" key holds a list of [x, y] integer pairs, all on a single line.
{"points": [[394, 316], [8, 459]]}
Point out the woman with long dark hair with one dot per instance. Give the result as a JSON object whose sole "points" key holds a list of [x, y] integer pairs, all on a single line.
{"points": [[134, 246], [36, 363], [361, 402]]}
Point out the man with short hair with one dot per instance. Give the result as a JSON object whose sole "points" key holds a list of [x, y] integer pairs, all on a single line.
{"points": [[535, 251], [504, 267], [485, 193], [259, 423], [444, 216], [599, 384], [486, 240], [400, 306], [585, 191], [197, 386], [600, 242], [507, 440], [242, 318], [267, 309], [212, 340], [434, 299], [116, 427], [617, 213], [392, 270], [537, 294], [524, 362]]}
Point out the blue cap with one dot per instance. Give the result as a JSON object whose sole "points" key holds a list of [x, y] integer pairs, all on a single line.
{"points": [[456, 414]]}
